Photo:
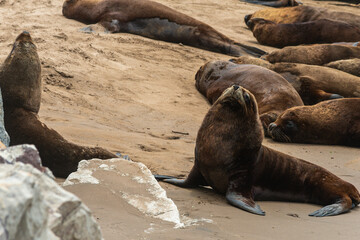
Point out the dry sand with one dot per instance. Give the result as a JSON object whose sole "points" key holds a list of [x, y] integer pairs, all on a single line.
{"points": [[129, 94]]}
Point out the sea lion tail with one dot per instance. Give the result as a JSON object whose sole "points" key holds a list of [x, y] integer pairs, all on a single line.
{"points": [[253, 51]]}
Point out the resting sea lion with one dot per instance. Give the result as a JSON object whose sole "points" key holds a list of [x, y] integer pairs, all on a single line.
{"points": [[276, 4], [252, 60], [351, 66], [303, 14], [317, 54], [272, 92], [154, 20], [230, 158], [330, 122], [318, 83], [20, 82], [289, 34]]}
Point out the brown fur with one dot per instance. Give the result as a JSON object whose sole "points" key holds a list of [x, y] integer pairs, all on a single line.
{"points": [[272, 92], [154, 20], [318, 83], [303, 14], [330, 122], [20, 81], [351, 66], [230, 158], [318, 54], [319, 31]]}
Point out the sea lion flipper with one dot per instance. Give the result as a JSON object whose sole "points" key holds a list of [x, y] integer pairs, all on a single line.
{"points": [[194, 179], [329, 210], [244, 203]]}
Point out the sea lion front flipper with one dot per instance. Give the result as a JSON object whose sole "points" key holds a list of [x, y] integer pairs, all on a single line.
{"points": [[240, 195], [244, 203]]}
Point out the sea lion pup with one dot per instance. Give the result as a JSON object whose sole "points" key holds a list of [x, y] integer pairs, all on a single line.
{"points": [[335, 122], [273, 93], [317, 54], [154, 20], [230, 158], [276, 4], [299, 14], [20, 82], [351, 66], [289, 34], [318, 83]]}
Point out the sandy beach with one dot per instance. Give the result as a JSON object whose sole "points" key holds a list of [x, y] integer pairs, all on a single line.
{"points": [[136, 96]]}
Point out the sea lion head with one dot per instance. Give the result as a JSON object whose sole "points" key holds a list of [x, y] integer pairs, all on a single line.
{"points": [[236, 112], [287, 127], [209, 73], [20, 79], [252, 23]]}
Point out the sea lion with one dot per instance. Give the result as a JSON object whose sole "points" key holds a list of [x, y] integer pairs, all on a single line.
{"points": [[330, 122], [276, 3], [230, 157], [272, 92], [317, 54], [20, 82], [289, 34], [154, 20], [251, 60], [299, 14], [318, 83], [351, 66]]}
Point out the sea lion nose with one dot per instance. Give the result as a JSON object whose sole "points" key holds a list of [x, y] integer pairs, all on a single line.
{"points": [[247, 18], [236, 87], [272, 126]]}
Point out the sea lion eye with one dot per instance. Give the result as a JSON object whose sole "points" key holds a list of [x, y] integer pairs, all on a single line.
{"points": [[290, 125]]}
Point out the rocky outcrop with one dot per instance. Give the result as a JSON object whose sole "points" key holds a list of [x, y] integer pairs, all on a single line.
{"points": [[33, 206]]}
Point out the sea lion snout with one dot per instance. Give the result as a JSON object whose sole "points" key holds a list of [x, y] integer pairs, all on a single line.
{"points": [[24, 37], [247, 18], [272, 126], [236, 87]]}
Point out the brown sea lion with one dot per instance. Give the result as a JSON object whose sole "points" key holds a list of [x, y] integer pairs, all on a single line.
{"points": [[317, 54], [154, 20], [318, 83], [272, 92], [289, 34], [330, 122], [276, 4], [252, 60], [20, 82], [351, 66], [230, 157], [303, 14]]}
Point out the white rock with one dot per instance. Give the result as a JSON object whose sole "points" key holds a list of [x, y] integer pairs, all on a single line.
{"points": [[33, 206], [133, 182]]}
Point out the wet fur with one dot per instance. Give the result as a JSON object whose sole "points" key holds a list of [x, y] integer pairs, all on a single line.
{"points": [[331, 122]]}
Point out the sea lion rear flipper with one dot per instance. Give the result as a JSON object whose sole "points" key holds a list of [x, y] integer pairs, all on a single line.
{"points": [[194, 179], [244, 203], [341, 206]]}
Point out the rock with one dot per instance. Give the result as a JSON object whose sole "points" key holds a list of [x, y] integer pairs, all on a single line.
{"points": [[25, 153], [130, 180], [4, 136], [33, 206]]}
